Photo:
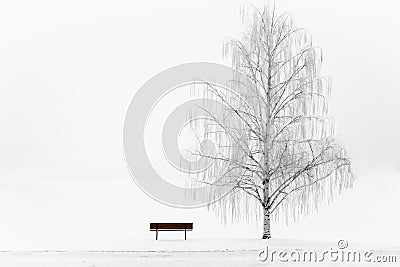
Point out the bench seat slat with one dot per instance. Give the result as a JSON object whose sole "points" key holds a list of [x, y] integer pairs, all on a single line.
{"points": [[170, 230], [171, 226]]}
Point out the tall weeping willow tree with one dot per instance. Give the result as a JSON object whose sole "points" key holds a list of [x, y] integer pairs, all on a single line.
{"points": [[275, 141]]}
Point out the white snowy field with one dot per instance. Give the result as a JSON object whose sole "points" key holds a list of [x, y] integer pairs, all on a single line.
{"points": [[206, 252]]}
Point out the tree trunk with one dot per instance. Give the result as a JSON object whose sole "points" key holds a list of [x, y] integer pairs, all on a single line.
{"points": [[267, 224], [267, 219]]}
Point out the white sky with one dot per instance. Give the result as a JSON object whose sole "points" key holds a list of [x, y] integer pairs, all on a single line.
{"points": [[68, 71]]}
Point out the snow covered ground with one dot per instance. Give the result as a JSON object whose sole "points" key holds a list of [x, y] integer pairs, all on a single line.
{"points": [[233, 252]]}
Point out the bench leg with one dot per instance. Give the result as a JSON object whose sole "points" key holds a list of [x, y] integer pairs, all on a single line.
{"points": [[156, 234], [185, 233]]}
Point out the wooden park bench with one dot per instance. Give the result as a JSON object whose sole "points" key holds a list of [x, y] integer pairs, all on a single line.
{"points": [[171, 227]]}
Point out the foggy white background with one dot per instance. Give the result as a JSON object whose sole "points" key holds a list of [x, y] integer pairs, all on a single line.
{"points": [[68, 71]]}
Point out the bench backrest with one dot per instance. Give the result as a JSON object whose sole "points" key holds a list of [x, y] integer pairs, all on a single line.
{"points": [[171, 226]]}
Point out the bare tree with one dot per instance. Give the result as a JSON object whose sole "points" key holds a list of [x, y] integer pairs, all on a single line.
{"points": [[275, 141]]}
